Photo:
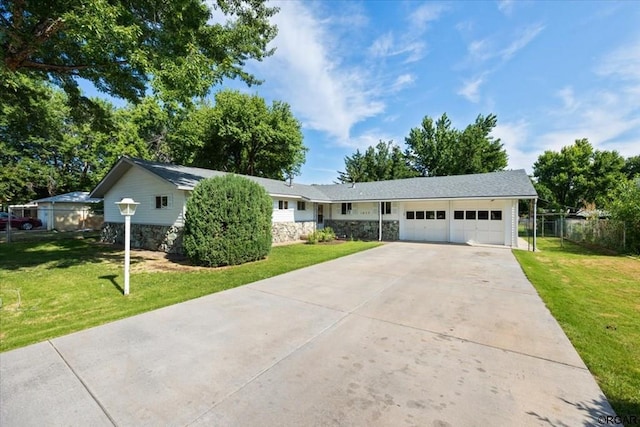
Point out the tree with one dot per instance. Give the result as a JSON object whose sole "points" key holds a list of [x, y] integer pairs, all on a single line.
{"points": [[228, 222], [385, 161], [577, 175], [625, 207], [241, 134], [632, 167], [120, 45], [51, 143], [439, 149]]}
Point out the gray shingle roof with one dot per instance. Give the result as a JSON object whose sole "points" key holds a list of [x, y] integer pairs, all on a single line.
{"points": [[74, 197], [505, 184]]}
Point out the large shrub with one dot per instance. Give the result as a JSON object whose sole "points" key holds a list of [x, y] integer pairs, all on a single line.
{"points": [[228, 222]]}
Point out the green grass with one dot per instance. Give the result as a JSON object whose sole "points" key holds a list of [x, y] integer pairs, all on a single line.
{"points": [[595, 297], [49, 289]]}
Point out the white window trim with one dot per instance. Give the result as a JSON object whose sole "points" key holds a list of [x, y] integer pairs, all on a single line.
{"points": [[169, 204]]}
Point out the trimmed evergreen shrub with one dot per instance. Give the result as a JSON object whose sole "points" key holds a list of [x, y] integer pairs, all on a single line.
{"points": [[228, 222]]}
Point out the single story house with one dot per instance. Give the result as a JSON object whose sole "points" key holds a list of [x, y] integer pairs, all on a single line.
{"points": [[69, 211], [480, 208]]}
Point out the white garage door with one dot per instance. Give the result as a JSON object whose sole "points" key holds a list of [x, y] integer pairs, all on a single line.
{"points": [[481, 222], [425, 222]]}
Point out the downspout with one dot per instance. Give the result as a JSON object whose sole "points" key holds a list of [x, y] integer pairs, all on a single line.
{"points": [[535, 222], [379, 221]]}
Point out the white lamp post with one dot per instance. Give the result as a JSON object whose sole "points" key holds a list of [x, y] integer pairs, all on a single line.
{"points": [[127, 208]]}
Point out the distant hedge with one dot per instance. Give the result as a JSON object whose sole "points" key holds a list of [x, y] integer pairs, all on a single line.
{"points": [[228, 222]]}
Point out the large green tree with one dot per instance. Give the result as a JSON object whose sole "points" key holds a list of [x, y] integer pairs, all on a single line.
{"points": [[182, 46], [385, 161], [632, 167], [51, 143], [438, 149], [624, 206], [240, 133], [577, 176]]}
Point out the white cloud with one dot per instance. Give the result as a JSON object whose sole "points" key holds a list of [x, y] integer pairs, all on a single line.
{"points": [[382, 46], [506, 6], [402, 82], [328, 96], [568, 99], [386, 46], [514, 137], [623, 63], [426, 13], [526, 37], [471, 89], [369, 138]]}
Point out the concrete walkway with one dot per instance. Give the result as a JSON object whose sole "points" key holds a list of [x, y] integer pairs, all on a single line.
{"points": [[404, 334]]}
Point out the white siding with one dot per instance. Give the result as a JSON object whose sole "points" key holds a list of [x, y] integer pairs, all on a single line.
{"points": [[365, 211], [308, 214], [143, 187], [283, 215]]}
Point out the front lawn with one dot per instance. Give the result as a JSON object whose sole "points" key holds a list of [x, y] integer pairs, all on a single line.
{"points": [[49, 289], [596, 299]]}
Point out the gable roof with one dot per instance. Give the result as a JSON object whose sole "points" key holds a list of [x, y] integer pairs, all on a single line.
{"points": [[504, 184], [73, 197]]}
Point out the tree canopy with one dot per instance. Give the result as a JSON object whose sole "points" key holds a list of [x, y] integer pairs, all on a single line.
{"points": [[578, 175], [240, 133], [438, 149], [383, 162], [122, 46]]}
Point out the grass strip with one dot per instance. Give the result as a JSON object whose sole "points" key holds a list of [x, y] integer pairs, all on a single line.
{"points": [[595, 297]]}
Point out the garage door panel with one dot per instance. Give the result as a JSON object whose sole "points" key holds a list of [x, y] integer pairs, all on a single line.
{"points": [[482, 222], [426, 222]]}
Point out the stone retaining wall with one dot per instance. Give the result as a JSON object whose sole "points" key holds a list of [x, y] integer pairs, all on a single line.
{"points": [[163, 238], [364, 230], [291, 231], [168, 239]]}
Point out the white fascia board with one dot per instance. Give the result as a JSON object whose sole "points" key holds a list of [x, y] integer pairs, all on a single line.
{"points": [[440, 199]]}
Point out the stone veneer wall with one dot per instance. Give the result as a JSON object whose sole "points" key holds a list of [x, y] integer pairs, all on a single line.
{"points": [[291, 231], [364, 230], [169, 238], [163, 238]]}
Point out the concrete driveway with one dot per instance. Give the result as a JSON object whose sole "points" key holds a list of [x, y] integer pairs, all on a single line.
{"points": [[404, 334]]}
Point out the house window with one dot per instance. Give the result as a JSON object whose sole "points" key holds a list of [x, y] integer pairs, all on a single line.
{"points": [[419, 214], [162, 202], [302, 206], [430, 215], [346, 208], [470, 215], [410, 214], [441, 215], [283, 204], [385, 208], [496, 215], [484, 215], [458, 214]]}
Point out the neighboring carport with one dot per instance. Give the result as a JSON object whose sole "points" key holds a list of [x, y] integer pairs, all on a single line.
{"points": [[405, 334]]}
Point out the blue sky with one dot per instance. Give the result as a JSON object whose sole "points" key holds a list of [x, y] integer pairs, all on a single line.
{"points": [[356, 72]]}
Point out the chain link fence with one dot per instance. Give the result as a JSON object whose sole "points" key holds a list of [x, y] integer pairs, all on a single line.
{"points": [[602, 232]]}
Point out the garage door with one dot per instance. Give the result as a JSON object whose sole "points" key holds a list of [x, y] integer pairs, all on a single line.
{"points": [[477, 223], [425, 222]]}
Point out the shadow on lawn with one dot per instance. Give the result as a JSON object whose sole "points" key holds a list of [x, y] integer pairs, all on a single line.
{"points": [[56, 254], [112, 279]]}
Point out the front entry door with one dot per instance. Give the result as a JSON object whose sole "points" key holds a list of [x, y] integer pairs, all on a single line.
{"points": [[320, 220]]}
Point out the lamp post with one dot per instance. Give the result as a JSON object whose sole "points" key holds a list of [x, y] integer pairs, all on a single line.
{"points": [[127, 209]]}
